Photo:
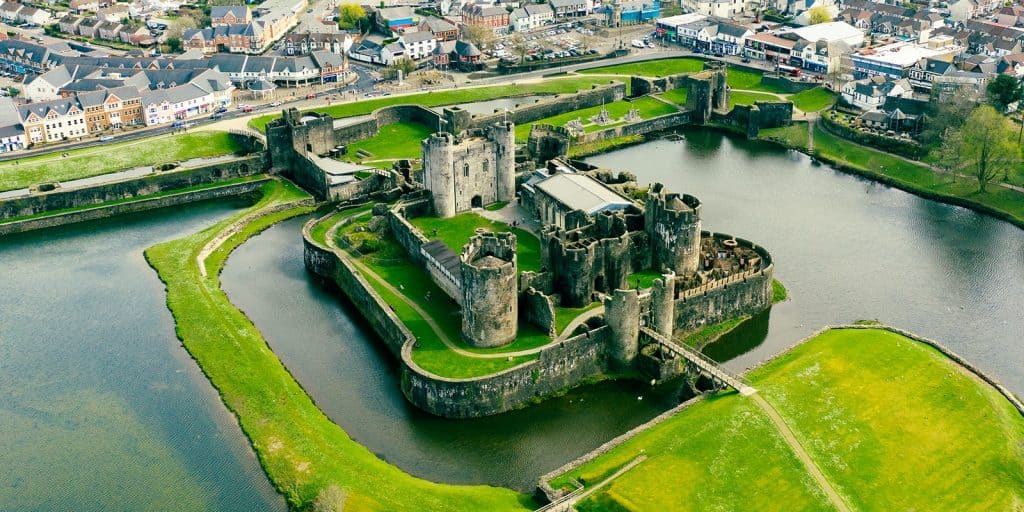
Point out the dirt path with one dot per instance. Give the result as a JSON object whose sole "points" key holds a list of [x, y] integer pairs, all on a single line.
{"points": [[798, 449], [576, 322]]}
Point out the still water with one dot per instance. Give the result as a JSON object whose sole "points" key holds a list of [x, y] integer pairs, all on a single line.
{"points": [[100, 406]]}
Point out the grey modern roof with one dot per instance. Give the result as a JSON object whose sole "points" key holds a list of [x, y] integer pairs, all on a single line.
{"points": [[416, 37], [581, 192], [324, 58], [261, 85], [559, 4], [731, 29], [439, 25], [395, 48], [466, 49], [219, 11], [10, 121], [537, 9]]}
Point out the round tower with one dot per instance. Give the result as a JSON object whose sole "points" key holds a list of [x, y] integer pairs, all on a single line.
{"points": [[490, 291], [622, 313], [438, 172], [504, 136]]}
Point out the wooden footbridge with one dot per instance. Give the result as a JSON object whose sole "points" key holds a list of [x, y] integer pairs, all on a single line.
{"points": [[702, 362]]}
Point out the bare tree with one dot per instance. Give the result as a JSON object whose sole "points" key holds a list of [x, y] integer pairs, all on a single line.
{"points": [[989, 148], [520, 46], [483, 37]]}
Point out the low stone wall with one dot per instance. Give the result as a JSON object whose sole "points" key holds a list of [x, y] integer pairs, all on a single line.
{"points": [[557, 368], [597, 95], [385, 116], [907, 148], [63, 198], [646, 126], [538, 309], [102, 212], [404, 232]]}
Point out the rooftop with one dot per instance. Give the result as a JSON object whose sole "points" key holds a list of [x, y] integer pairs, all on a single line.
{"points": [[580, 192]]}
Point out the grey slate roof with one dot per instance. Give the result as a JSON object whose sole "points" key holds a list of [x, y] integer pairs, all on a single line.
{"points": [[580, 192]]}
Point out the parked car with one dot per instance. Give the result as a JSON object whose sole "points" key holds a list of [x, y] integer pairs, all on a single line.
{"points": [[220, 110], [106, 138], [275, 104]]}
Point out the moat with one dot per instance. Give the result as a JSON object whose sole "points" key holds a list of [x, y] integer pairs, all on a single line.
{"points": [[846, 248]]}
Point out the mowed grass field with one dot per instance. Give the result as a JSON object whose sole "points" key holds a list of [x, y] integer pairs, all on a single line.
{"points": [[300, 448], [892, 423], [895, 425], [748, 98], [648, 107], [813, 100], [451, 97], [108, 158], [456, 232], [651, 68], [393, 141]]}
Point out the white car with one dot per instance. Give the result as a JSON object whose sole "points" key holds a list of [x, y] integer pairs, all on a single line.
{"points": [[105, 138], [275, 104]]}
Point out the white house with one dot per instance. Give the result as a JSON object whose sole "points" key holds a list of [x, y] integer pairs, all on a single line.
{"points": [[531, 16], [716, 8], [870, 93], [32, 15], [392, 52], [418, 45], [52, 121]]}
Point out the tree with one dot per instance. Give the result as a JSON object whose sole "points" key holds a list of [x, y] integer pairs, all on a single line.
{"points": [[819, 14], [520, 46], [988, 147], [351, 16], [943, 115], [479, 35], [949, 155], [403, 64], [1003, 91]]}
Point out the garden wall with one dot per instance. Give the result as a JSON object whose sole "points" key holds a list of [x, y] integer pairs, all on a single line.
{"points": [[63, 198], [909, 149]]}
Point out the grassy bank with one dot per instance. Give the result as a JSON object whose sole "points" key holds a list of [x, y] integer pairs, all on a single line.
{"points": [[393, 141], [449, 97], [892, 423], [301, 450], [813, 100], [779, 292], [108, 158], [456, 231], [601, 146], [918, 178], [650, 68]]}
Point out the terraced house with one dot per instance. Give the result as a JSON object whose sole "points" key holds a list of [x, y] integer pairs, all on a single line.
{"points": [[483, 15]]}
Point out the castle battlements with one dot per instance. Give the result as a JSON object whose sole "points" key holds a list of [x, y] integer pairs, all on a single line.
{"points": [[490, 289]]}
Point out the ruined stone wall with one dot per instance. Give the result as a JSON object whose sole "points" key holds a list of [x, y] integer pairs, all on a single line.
{"points": [[559, 367], [752, 118], [622, 313], [656, 124], [546, 142], [404, 232], [539, 310], [735, 296], [672, 221], [307, 174], [63, 198], [383, 117]]}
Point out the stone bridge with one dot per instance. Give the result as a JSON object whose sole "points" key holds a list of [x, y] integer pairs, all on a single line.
{"points": [[705, 364]]}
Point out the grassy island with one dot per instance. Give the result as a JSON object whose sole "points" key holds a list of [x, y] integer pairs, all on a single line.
{"points": [[302, 451], [892, 423]]}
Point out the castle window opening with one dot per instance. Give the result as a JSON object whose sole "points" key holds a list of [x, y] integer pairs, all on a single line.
{"points": [[477, 201], [486, 165], [465, 170]]}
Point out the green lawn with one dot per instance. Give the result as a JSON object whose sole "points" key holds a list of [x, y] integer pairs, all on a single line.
{"points": [[301, 450], [565, 316], [710, 333], [648, 107], [916, 177], [794, 135], [566, 85], [779, 292], [651, 68], [677, 96], [722, 453], [748, 98], [750, 80], [892, 423], [813, 100], [456, 232], [319, 230], [393, 141], [895, 425], [642, 279], [108, 158]]}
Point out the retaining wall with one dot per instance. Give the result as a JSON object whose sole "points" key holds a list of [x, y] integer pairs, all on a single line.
{"points": [[646, 126], [102, 212], [63, 198], [596, 96]]}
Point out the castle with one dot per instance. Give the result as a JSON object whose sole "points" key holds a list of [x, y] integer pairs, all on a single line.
{"points": [[471, 170]]}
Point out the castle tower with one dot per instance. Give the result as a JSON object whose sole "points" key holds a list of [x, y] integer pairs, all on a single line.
{"points": [[490, 291], [504, 136], [622, 313], [663, 306], [438, 172], [672, 222]]}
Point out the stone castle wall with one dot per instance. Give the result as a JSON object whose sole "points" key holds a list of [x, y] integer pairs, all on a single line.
{"points": [[596, 96], [558, 367], [103, 212], [63, 198]]}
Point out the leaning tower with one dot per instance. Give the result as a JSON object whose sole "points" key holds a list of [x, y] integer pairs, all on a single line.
{"points": [[672, 222], [504, 136], [490, 291], [438, 172]]}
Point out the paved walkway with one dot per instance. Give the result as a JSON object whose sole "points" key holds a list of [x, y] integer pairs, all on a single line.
{"points": [[798, 450], [578, 321]]}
